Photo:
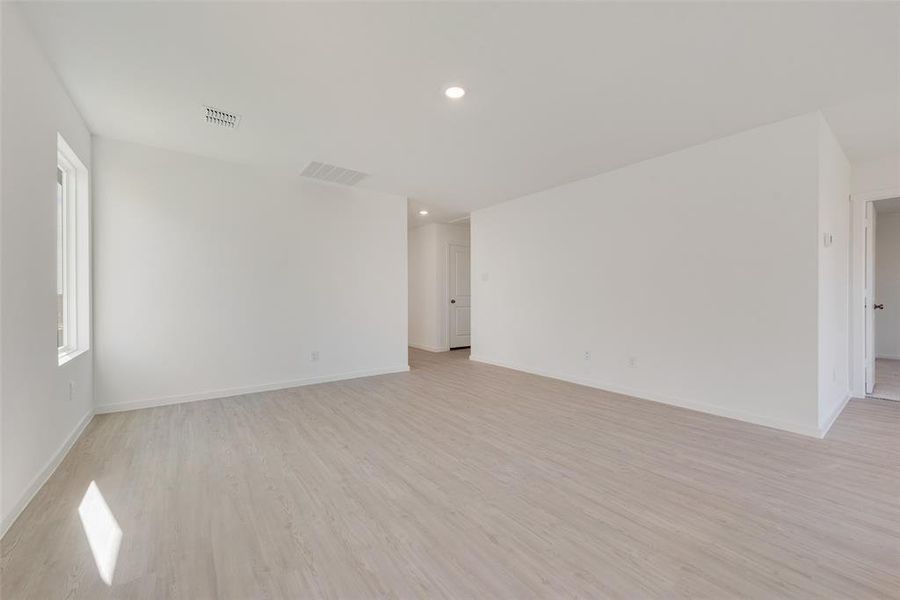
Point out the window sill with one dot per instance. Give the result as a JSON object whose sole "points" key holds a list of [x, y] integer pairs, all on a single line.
{"points": [[68, 355]]}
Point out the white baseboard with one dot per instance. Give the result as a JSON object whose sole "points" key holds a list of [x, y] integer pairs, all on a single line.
{"points": [[429, 348], [252, 389], [826, 426], [44, 474], [888, 356], [680, 402]]}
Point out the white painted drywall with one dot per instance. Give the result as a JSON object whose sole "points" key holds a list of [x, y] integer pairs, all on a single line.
{"points": [[557, 90], [423, 289], [834, 277], [214, 278], [887, 285], [39, 418], [702, 265], [428, 273]]}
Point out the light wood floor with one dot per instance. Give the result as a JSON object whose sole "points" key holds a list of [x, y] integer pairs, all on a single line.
{"points": [[465, 480], [887, 379]]}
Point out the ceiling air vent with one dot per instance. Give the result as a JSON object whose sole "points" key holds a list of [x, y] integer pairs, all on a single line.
{"points": [[220, 118], [326, 172]]}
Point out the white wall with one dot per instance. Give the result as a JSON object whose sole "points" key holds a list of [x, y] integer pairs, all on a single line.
{"points": [[428, 280], [39, 418], [834, 277], [887, 285], [702, 265], [424, 325], [214, 278]]}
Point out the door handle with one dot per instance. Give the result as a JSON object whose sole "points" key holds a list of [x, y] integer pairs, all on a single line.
{"points": [[879, 306], [452, 300]]}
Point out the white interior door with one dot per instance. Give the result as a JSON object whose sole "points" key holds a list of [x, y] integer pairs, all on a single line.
{"points": [[869, 297], [460, 297]]}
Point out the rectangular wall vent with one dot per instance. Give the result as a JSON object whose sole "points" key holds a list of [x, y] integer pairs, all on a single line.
{"points": [[326, 172], [220, 118]]}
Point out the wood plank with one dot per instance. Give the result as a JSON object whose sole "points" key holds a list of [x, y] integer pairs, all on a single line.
{"points": [[461, 479]]}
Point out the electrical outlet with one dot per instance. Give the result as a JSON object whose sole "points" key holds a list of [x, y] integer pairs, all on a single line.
{"points": [[314, 355], [71, 390], [587, 355], [632, 361]]}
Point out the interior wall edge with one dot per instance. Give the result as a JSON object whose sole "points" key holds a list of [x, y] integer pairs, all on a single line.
{"points": [[44, 474], [240, 391], [638, 394], [825, 427]]}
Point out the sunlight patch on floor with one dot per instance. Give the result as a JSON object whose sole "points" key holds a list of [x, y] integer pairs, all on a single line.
{"points": [[102, 530]]}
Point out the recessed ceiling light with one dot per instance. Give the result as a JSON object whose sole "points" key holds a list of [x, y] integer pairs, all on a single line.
{"points": [[423, 212], [454, 92]]}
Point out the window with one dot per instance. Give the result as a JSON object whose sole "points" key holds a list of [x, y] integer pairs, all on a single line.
{"points": [[72, 254]]}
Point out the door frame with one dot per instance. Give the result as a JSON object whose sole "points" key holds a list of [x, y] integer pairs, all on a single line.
{"points": [[445, 311], [858, 204]]}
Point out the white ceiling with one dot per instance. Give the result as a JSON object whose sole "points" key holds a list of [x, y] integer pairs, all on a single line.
{"points": [[868, 126], [556, 91]]}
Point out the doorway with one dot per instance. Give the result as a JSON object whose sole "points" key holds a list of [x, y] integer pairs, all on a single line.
{"points": [[882, 305], [459, 296], [440, 298]]}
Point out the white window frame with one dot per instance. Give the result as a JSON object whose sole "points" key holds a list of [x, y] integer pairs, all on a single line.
{"points": [[76, 253]]}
